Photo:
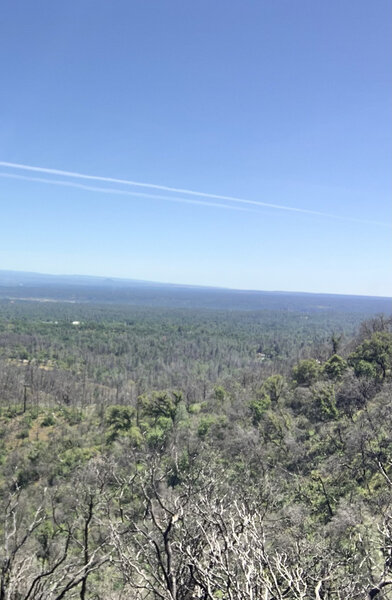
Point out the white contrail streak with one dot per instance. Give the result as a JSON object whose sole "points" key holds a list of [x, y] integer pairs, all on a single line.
{"points": [[91, 188], [179, 191], [153, 186]]}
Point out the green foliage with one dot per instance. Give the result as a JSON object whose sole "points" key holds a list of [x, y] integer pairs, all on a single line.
{"points": [[72, 458], [314, 463], [26, 474], [48, 420], [179, 470], [219, 393], [274, 387], [373, 358], [335, 367], [23, 434], [365, 368], [211, 424], [72, 416], [10, 412], [306, 372], [325, 402], [135, 436], [259, 406], [160, 404], [271, 391], [119, 417], [45, 533], [157, 435], [119, 420]]}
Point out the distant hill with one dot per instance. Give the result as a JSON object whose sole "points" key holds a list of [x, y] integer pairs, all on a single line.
{"points": [[17, 285]]}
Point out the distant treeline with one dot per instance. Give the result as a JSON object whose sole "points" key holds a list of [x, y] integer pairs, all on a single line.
{"points": [[15, 285]]}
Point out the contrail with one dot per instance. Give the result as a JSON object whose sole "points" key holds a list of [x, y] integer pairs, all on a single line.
{"points": [[179, 191], [154, 186], [91, 188]]}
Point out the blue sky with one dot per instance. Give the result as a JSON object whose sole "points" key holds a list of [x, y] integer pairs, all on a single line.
{"points": [[280, 102]]}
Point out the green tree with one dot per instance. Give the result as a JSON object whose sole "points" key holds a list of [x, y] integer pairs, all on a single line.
{"points": [[373, 356], [258, 407], [119, 419], [274, 387], [306, 372], [324, 401], [335, 367], [160, 404]]}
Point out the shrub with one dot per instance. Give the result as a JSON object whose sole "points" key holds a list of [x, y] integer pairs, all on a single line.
{"points": [[306, 372], [335, 367]]}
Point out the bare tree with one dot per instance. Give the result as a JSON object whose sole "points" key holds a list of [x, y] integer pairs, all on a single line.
{"points": [[49, 554]]}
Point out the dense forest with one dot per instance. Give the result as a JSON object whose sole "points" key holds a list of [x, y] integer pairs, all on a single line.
{"points": [[179, 453]]}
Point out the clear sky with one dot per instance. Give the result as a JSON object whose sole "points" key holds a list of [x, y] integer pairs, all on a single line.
{"points": [[282, 102]]}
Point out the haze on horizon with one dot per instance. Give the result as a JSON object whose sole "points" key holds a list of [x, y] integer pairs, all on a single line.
{"points": [[278, 114], [31, 278]]}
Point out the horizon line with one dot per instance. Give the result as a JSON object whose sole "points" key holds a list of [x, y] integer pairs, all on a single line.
{"points": [[194, 285]]}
